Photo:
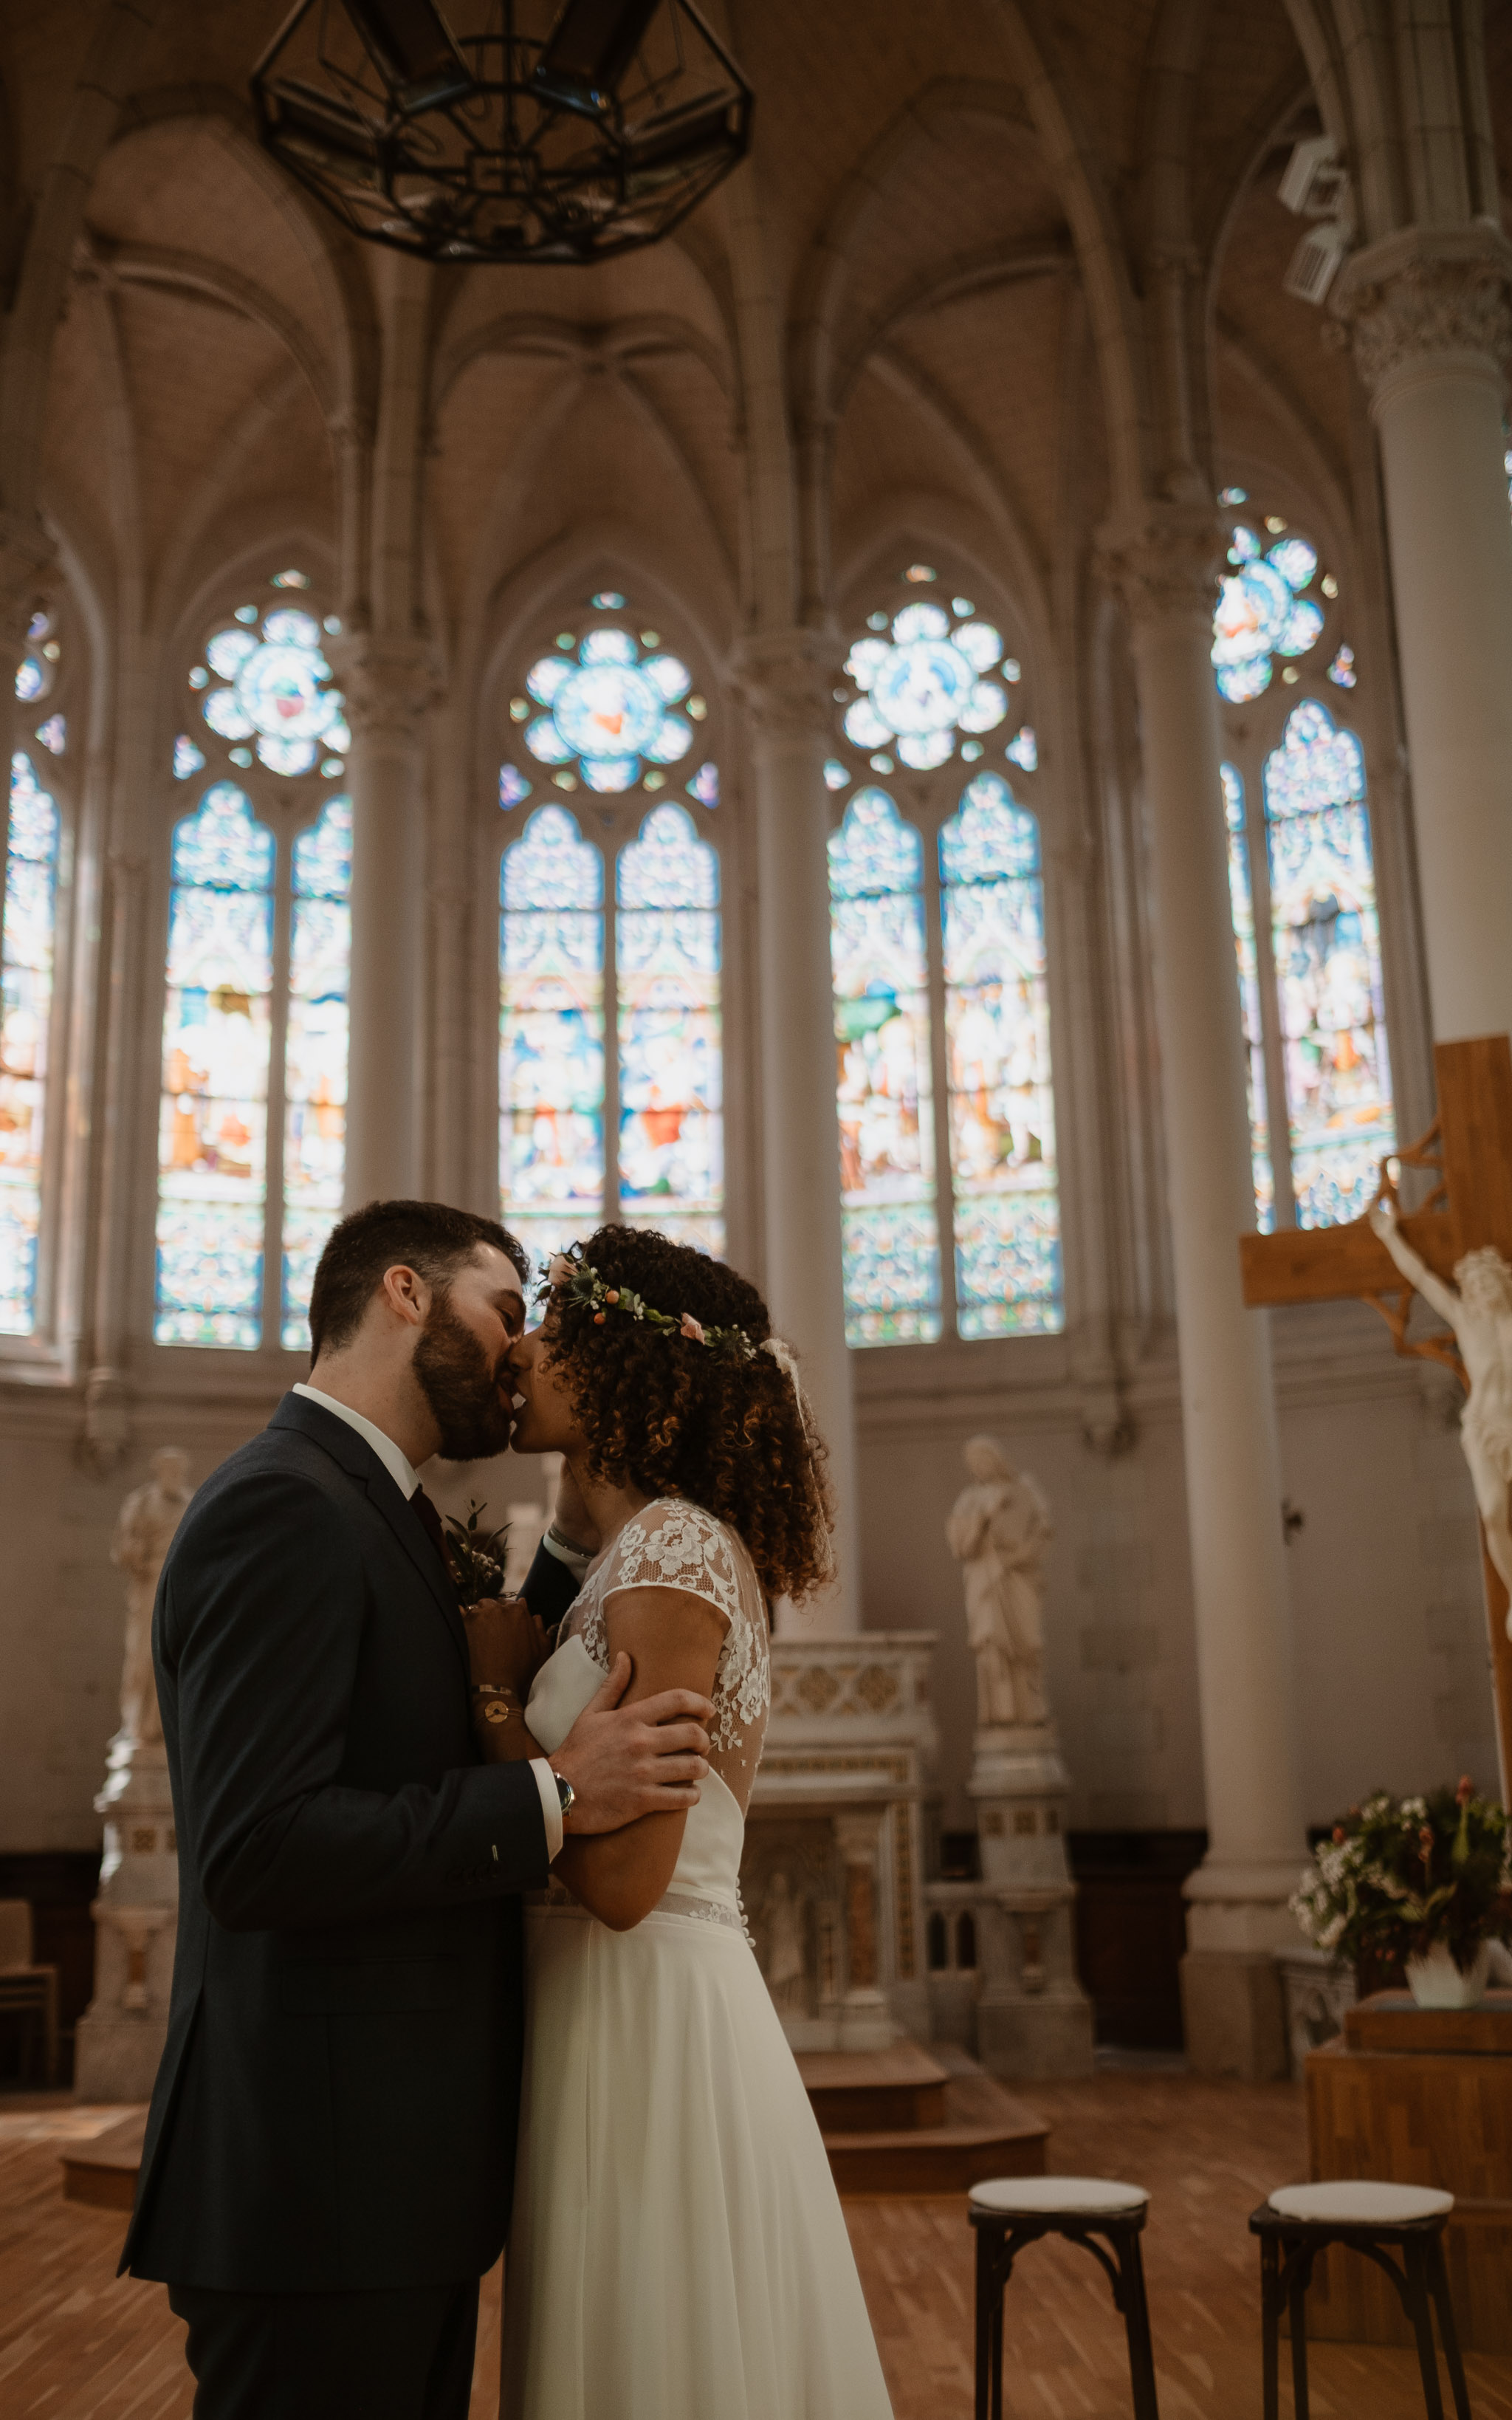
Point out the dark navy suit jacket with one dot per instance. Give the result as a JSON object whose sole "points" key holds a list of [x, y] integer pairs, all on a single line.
{"points": [[337, 2102]]}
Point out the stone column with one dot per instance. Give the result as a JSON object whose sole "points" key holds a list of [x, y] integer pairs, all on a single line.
{"points": [[388, 685], [787, 690], [865, 2023], [1431, 326], [1163, 559]]}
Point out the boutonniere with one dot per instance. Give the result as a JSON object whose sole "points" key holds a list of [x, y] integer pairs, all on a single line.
{"points": [[477, 1556]]}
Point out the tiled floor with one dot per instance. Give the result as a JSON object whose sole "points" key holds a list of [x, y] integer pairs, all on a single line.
{"points": [[76, 2343]]}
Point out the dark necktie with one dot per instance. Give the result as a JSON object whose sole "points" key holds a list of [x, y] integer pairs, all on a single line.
{"points": [[430, 1521]]}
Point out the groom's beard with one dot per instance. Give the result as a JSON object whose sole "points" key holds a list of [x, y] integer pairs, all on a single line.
{"points": [[456, 1378]]}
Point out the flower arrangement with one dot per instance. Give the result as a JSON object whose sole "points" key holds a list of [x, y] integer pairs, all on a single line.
{"points": [[476, 1556], [1404, 1877]]}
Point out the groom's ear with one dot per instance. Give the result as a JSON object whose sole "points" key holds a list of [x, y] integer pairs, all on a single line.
{"points": [[406, 1296]]}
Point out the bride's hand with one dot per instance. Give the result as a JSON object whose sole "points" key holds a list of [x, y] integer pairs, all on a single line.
{"points": [[506, 1645]]}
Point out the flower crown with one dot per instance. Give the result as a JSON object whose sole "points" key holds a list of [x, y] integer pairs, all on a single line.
{"points": [[578, 1281]]}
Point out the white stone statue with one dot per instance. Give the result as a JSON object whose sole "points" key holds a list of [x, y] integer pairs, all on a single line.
{"points": [[787, 1966], [143, 1533], [998, 1532], [1480, 1314]]}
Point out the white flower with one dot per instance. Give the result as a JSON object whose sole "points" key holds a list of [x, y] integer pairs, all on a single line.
{"points": [[559, 1270], [691, 1329]]}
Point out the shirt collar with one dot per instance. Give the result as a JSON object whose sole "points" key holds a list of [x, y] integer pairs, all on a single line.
{"points": [[397, 1464]]}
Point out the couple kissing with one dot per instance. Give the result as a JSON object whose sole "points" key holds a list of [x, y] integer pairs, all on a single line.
{"points": [[461, 1957]]}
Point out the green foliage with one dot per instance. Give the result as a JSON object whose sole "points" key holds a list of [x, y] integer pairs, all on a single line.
{"points": [[476, 1556], [1401, 1876]]}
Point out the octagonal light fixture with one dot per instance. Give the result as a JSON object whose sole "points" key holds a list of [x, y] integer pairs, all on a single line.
{"points": [[554, 130]]}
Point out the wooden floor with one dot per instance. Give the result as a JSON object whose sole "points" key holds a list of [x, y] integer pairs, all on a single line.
{"points": [[76, 2343]]}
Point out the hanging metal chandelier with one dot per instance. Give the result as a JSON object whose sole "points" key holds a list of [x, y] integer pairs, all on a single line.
{"points": [[553, 133]]}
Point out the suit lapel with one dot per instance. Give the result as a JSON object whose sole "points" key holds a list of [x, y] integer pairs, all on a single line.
{"points": [[356, 1457], [406, 1526]]}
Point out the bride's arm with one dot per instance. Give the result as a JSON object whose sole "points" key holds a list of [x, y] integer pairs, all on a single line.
{"points": [[673, 1640], [506, 1648]]}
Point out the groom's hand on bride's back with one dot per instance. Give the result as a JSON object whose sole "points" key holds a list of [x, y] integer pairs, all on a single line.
{"points": [[626, 1761]]}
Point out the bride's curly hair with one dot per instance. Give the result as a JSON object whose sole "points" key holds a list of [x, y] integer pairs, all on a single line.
{"points": [[673, 1417]]}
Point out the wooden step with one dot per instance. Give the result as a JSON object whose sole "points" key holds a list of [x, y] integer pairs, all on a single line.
{"points": [[983, 2132], [874, 2091], [103, 2170]]}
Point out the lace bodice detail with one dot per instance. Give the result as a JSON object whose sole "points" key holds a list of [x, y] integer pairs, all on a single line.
{"points": [[670, 1544]]}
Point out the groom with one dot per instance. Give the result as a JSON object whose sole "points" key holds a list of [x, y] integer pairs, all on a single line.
{"points": [[329, 2156]]}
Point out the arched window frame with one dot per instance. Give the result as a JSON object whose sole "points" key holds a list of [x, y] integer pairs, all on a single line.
{"points": [[928, 800], [611, 822], [1251, 732], [46, 1349], [288, 808]]}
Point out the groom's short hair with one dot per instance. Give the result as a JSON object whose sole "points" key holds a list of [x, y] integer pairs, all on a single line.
{"points": [[427, 1236]]}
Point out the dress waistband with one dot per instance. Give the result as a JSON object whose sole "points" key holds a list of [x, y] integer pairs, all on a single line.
{"points": [[558, 1901]]}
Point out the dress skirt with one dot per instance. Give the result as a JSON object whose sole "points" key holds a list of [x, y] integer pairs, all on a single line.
{"points": [[678, 2250]]}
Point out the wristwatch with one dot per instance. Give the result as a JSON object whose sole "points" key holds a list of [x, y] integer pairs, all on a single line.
{"points": [[566, 1795]]}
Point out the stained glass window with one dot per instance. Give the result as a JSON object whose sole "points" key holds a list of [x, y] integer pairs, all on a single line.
{"points": [[273, 690], [1327, 952], [551, 1032], [667, 965], [26, 949], [925, 684], [884, 1081], [606, 709], [314, 1057], [1242, 908], [212, 1128], [1261, 611], [1002, 1122]]}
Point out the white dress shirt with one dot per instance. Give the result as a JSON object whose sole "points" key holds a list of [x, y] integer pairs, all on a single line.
{"points": [[403, 1473]]}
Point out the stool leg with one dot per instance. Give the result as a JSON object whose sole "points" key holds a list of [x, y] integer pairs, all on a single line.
{"points": [[985, 2267], [1415, 2261], [1449, 2333], [1270, 2325], [1136, 2326], [992, 2278], [1298, 2300]]}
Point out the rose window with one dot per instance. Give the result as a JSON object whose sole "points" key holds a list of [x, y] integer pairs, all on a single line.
{"points": [[607, 710], [926, 684], [1261, 612], [275, 695]]}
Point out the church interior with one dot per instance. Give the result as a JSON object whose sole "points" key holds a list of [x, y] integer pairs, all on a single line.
{"points": [[909, 684]]}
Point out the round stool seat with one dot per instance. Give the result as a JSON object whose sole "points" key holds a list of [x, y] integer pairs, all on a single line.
{"points": [[1049, 2196], [1350, 2201]]}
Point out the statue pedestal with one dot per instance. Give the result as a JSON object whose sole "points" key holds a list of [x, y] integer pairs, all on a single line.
{"points": [[122, 2033], [1020, 1787], [1031, 2017]]}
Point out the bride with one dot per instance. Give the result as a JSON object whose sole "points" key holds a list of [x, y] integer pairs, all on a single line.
{"points": [[677, 2249]]}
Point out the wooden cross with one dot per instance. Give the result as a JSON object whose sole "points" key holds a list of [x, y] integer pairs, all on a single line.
{"points": [[1469, 1147]]}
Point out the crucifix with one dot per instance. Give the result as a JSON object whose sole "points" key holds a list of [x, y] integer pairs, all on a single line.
{"points": [[1468, 1150]]}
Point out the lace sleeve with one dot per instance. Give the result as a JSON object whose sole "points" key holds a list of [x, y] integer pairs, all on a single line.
{"points": [[677, 1545]]}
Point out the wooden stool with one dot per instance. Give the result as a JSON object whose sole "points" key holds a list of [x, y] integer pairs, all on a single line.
{"points": [[1011, 2212], [1300, 2221]]}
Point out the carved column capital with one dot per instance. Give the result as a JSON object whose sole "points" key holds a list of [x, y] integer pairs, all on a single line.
{"points": [[1419, 300], [786, 679], [26, 556], [389, 686], [1162, 559]]}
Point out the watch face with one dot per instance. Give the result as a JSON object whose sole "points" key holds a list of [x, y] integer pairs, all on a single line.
{"points": [[566, 1792]]}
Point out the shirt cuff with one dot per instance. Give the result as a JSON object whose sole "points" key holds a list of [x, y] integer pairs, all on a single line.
{"points": [[545, 1782], [577, 1564]]}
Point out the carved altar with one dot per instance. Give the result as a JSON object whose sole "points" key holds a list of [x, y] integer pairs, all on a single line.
{"points": [[833, 1872]]}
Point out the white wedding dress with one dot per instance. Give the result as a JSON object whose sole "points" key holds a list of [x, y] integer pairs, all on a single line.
{"points": [[677, 2250]]}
